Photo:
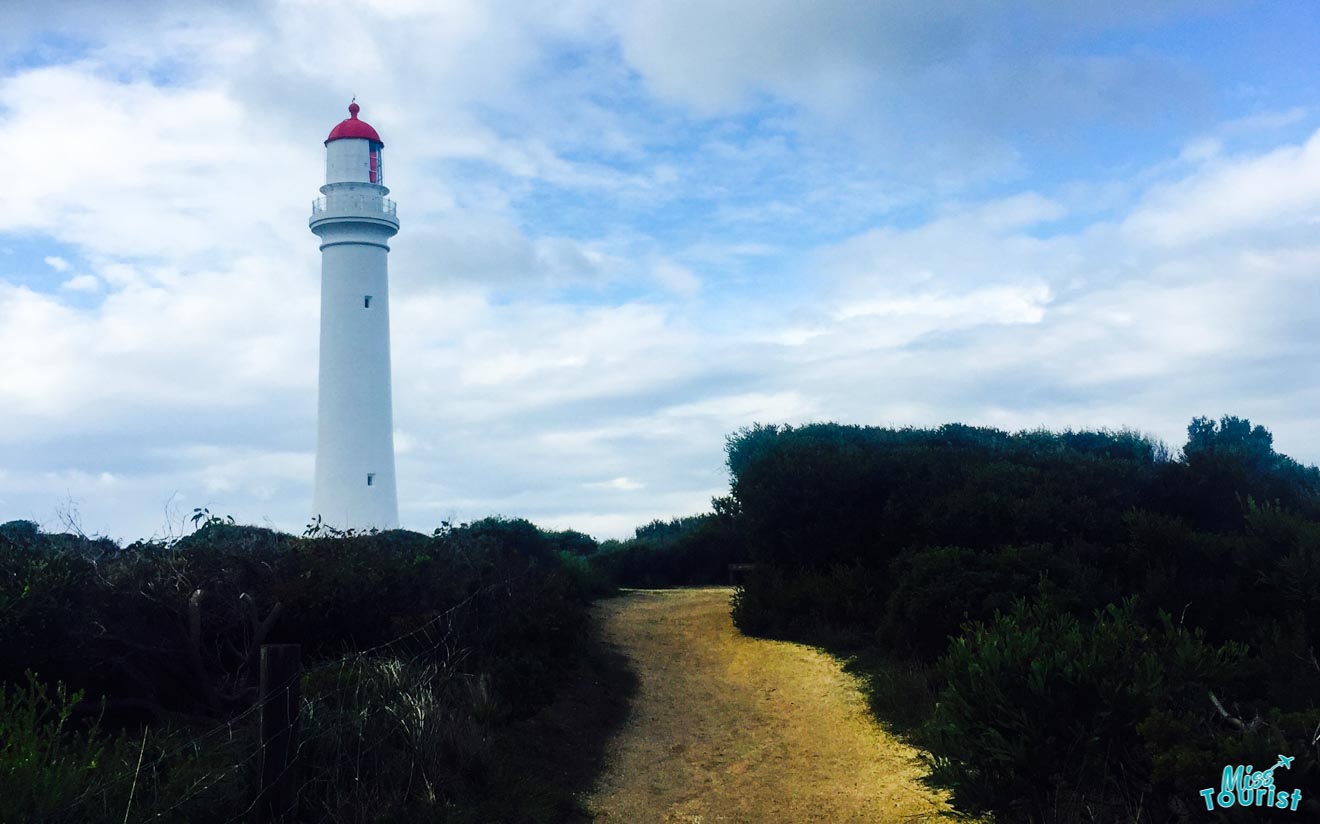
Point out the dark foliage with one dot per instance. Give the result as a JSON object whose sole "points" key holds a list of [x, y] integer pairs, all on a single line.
{"points": [[1043, 716], [938, 590], [419, 652], [684, 551], [1084, 594]]}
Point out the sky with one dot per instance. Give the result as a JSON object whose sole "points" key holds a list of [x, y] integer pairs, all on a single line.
{"points": [[630, 229]]}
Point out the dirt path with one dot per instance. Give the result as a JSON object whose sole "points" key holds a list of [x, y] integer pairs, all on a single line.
{"points": [[726, 728]]}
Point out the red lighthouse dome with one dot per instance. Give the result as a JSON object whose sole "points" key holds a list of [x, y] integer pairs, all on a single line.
{"points": [[354, 129]]}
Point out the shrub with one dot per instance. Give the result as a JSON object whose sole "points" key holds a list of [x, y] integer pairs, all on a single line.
{"points": [[824, 493], [58, 769], [393, 738], [1047, 713], [1042, 716], [680, 552], [938, 590], [44, 763], [1225, 464], [453, 636], [45, 600], [840, 603]]}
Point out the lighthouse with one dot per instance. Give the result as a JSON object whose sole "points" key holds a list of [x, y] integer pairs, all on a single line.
{"points": [[354, 418]]}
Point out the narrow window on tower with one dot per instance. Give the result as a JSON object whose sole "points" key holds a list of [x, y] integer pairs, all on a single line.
{"points": [[366, 301], [371, 479]]}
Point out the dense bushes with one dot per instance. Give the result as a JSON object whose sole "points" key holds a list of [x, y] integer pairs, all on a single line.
{"points": [[58, 768], [843, 602], [418, 651], [39, 757], [937, 590], [683, 551], [825, 493], [1096, 591], [1044, 716]]}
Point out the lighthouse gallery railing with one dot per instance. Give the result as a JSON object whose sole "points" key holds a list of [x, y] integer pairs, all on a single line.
{"points": [[343, 203]]}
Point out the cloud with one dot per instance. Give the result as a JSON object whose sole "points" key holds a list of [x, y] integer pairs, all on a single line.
{"points": [[134, 169], [621, 483], [675, 277], [82, 283], [993, 305], [1185, 306], [961, 252], [943, 85], [627, 232], [1274, 193]]}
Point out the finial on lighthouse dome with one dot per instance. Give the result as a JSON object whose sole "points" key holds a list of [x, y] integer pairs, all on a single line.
{"points": [[354, 129]]}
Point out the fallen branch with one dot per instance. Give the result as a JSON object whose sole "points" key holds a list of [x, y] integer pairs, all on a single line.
{"points": [[1235, 721]]}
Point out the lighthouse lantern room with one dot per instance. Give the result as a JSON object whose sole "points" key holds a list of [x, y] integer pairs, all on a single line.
{"points": [[352, 152], [355, 423]]}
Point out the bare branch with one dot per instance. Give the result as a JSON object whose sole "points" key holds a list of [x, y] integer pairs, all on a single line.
{"points": [[1237, 722]]}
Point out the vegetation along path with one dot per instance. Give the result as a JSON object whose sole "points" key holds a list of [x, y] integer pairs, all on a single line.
{"points": [[726, 728]]}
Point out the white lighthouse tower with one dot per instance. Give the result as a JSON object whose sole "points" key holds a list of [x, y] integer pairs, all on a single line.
{"points": [[355, 423]]}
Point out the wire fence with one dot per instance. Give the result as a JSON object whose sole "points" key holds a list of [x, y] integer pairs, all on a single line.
{"points": [[337, 720]]}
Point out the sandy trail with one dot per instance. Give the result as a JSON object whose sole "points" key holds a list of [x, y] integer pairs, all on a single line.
{"points": [[726, 728]]}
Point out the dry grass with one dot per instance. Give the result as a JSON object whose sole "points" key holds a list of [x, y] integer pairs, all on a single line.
{"points": [[727, 728]]}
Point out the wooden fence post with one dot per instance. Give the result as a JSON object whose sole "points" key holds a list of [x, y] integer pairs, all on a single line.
{"points": [[281, 677]]}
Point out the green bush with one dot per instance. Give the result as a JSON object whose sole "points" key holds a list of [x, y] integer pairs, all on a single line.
{"points": [[58, 768], [1226, 463], [1043, 716], [394, 739], [442, 641], [905, 536], [840, 604], [44, 763], [587, 577], [681, 552], [45, 601], [938, 590], [821, 493]]}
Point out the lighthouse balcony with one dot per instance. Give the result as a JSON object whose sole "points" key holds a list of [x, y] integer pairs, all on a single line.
{"points": [[349, 204], [353, 211]]}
